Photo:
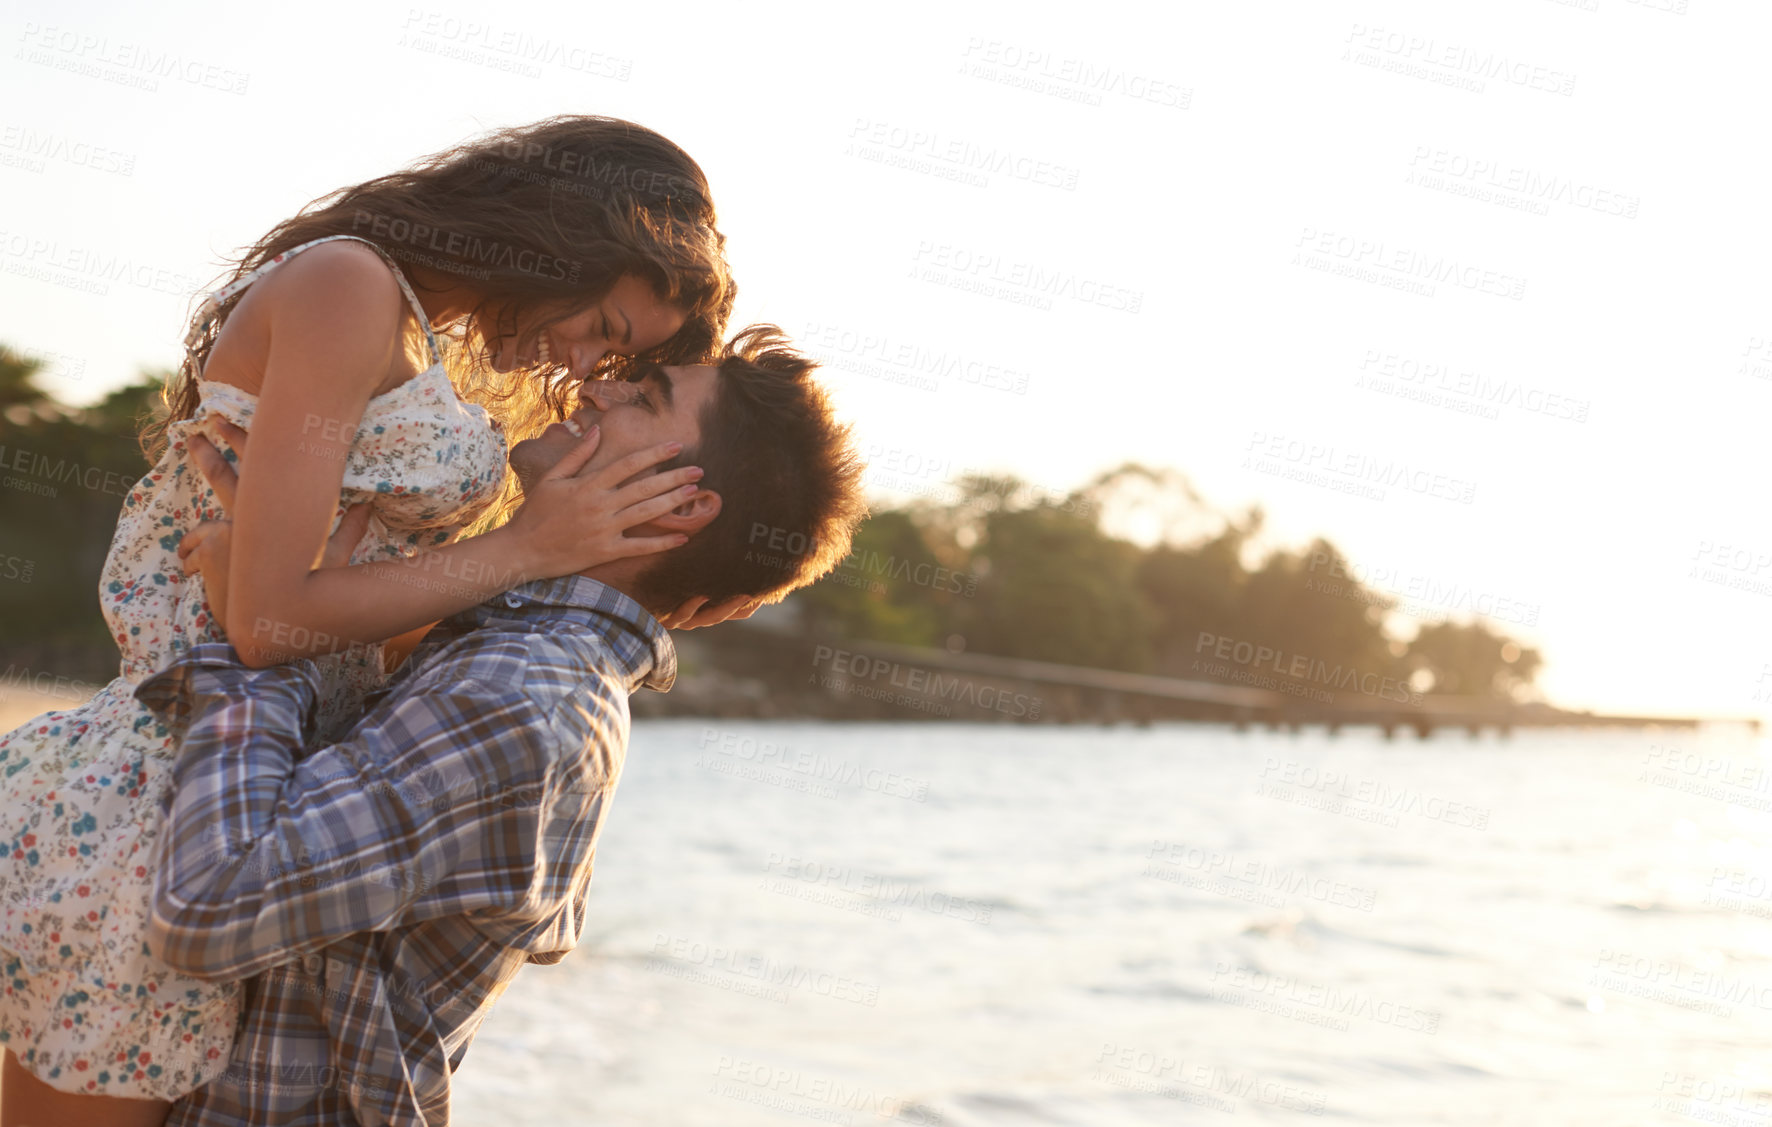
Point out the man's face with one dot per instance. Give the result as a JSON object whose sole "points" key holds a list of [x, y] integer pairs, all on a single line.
{"points": [[661, 405]]}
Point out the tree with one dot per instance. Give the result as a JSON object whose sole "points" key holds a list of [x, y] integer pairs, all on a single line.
{"points": [[1194, 590], [888, 589], [1309, 603], [1055, 588], [67, 472], [18, 379], [1469, 659]]}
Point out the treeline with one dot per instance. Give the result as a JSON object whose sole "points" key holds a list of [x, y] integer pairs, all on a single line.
{"points": [[994, 567], [64, 472], [998, 567]]}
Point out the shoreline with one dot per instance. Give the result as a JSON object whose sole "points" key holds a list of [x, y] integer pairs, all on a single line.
{"points": [[18, 706]]}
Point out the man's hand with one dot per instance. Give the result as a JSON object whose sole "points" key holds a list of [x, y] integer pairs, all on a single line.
{"points": [[206, 547], [695, 612]]}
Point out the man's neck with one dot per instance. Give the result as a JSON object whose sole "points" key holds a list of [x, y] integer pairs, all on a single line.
{"points": [[624, 576]]}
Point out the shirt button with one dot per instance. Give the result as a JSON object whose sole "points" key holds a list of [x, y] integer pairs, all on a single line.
{"points": [[513, 601]]}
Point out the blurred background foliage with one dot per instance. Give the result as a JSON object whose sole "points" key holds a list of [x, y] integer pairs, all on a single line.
{"points": [[64, 472], [1061, 579], [1124, 573]]}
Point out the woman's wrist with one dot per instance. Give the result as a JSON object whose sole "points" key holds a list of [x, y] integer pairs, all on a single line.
{"points": [[509, 556]]}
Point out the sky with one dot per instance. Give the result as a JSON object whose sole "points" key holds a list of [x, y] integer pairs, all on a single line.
{"points": [[1474, 291]]}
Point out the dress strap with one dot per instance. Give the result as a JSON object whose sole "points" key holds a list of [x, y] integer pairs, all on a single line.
{"points": [[212, 303]]}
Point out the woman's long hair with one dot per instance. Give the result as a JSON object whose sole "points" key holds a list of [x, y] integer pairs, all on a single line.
{"points": [[543, 218]]}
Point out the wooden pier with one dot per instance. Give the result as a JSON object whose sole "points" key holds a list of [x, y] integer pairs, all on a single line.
{"points": [[886, 681]]}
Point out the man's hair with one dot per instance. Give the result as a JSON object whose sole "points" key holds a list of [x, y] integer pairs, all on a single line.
{"points": [[788, 477]]}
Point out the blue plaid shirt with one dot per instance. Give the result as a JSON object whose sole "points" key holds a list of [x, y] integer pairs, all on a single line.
{"points": [[381, 892]]}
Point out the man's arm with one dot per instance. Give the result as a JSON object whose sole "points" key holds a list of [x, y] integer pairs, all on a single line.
{"points": [[435, 805]]}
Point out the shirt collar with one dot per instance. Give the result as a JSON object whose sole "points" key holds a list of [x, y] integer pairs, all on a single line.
{"points": [[652, 664]]}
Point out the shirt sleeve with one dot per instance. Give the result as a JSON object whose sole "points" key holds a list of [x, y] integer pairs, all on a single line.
{"points": [[434, 805]]}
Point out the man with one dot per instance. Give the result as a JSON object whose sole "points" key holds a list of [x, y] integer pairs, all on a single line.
{"points": [[382, 891]]}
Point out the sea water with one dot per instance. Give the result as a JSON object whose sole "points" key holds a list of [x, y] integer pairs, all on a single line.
{"points": [[970, 925]]}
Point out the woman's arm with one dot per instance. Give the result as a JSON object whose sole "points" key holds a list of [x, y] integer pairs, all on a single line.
{"points": [[334, 326]]}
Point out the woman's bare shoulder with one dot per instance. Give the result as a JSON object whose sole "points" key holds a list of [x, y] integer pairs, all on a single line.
{"points": [[341, 272], [336, 299]]}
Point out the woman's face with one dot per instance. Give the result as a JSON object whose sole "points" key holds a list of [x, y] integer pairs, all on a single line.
{"points": [[630, 318]]}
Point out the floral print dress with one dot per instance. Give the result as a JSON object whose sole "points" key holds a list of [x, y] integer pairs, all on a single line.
{"points": [[83, 1004]]}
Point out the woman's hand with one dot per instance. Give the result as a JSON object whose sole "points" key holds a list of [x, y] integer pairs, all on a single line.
{"points": [[695, 612], [205, 549], [572, 521]]}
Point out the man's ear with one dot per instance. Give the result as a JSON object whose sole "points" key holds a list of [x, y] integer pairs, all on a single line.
{"points": [[688, 518]]}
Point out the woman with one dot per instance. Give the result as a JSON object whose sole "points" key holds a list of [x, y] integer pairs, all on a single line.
{"points": [[558, 252]]}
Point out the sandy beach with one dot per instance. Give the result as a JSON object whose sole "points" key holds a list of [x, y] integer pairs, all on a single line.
{"points": [[20, 705]]}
